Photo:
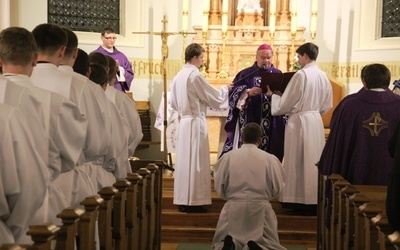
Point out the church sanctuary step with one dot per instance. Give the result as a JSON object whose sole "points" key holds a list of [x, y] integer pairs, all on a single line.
{"points": [[180, 227]]}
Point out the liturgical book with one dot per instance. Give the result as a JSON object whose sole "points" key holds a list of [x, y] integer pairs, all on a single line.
{"points": [[275, 81]]}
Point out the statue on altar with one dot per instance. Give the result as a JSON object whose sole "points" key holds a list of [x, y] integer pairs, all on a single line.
{"points": [[249, 12], [253, 5]]}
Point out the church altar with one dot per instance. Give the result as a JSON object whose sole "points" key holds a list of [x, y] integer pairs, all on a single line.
{"points": [[230, 35]]}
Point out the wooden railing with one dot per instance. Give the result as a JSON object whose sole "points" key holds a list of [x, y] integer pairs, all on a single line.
{"points": [[125, 216], [353, 216]]}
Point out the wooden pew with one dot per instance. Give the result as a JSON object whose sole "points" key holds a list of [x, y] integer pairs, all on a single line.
{"points": [[87, 223], [119, 222], [394, 238], [144, 207], [381, 222], [348, 242], [365, 205], [332, 208], [105, 218], [321, 227], [42, 236], [144, 163], [340, 212], [68, 230], [132, 220]]}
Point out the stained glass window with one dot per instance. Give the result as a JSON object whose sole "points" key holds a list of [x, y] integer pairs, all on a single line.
{"points": [[85, 15], [391, 18]]}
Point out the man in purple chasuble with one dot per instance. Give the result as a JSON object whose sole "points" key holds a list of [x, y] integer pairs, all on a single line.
{"points": [[248, 104], [125, 72], [361, 126]]}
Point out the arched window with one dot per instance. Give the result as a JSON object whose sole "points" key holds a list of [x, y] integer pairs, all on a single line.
{"points": [[85, 15]]}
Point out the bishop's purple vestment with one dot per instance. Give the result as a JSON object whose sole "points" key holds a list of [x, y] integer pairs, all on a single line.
{"points": [[258, 110], [124, 63], [357, 146]]}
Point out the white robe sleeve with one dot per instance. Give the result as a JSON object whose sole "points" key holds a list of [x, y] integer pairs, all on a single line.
{"points": [[97, 139], [69, 134], [119, 143], [221, 176], [129, 112], [24, 176], [287, 103], [275, 176], [208, 94]]}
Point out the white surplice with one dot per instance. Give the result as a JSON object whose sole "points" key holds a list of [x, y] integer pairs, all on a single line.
{"points": [[115, 162], [129, 113], [248, 178], [24, 176], [307, 96], [190, 96], [48, 76], [66, 128]]}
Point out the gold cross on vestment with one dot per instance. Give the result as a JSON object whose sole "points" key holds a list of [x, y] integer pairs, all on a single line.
{"points": [[375, 124]]}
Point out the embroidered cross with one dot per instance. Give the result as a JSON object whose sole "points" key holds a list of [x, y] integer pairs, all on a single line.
{"points": [[375, 124]]}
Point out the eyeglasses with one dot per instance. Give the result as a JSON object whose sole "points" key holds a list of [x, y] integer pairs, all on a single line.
{"points": [[110, 38]]}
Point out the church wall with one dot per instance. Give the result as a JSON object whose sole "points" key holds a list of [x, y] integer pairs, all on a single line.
{"points": [[346, 31]]}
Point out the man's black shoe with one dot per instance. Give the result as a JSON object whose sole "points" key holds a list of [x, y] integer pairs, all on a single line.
{"points": [[192, 209], [228, 243], [253, 245]]}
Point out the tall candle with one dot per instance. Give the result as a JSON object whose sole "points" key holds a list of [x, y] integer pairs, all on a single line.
{"points": [[314, 5], [293, 21], [293, 24], [224, 23], [272, 6], [185, 10], [272, 16], [225, 5], [205, 21], [293, 6], [272, 23], [313, 28], [185, 5], [207, 5], [185, 23]]}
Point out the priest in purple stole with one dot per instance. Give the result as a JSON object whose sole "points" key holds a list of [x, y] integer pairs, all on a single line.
{"points": [[248, 104]]}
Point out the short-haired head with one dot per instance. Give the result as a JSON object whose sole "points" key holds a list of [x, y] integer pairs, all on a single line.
{"points": [[17, 46], [107, 30], [251, 133], [49, 38], [97, 57], [112, 65], [193, 50], [310, 49], [81, 64], [98, 74], [375, 76], [72, 43]]}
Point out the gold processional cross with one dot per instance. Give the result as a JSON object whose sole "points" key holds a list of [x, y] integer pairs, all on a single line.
{"points": [[164, 51]]}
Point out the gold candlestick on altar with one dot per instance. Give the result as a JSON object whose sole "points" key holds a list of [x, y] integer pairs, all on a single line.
{"points": [[203, 70], [314, 11], [222, 73]]}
